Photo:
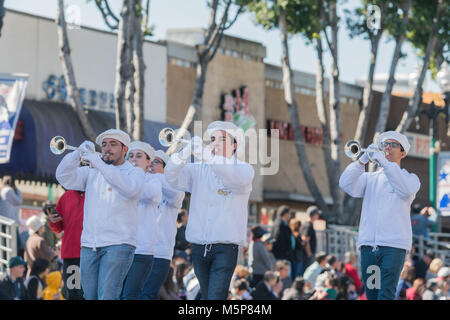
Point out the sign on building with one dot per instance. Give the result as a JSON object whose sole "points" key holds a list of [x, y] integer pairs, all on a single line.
{"points": [[235, 108], [420, 145], [12, 93], [443, 184]]}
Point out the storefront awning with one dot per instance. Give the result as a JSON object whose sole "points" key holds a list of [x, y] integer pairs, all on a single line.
{"points": [[40, 121]]}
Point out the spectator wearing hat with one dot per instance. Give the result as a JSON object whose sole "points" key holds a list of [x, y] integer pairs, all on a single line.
{"points": [[110, 222], [309, 234], [11, 282], [283, 248], [259, 260], [141, 154], [220, 185], [385, 234], [443, 274], [166, 220], [421, 266], [36, 246]]}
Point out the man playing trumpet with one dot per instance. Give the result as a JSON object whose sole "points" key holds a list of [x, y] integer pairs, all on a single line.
{"points": [[220, 187], [385, 234], [109, 235]]}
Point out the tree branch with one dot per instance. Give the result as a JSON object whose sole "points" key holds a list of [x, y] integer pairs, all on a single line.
{"points": [[107, 13]]}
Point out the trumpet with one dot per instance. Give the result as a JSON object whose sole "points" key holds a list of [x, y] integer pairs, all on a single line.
{"points": [[353, 150], [58, 145], [167, 137]]}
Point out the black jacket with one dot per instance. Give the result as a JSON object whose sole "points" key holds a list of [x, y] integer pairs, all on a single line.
{"points": [[8, 291], [282, 247], [261, 292]]}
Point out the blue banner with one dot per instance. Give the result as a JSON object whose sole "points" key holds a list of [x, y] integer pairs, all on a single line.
{"points": [[12, 93]]}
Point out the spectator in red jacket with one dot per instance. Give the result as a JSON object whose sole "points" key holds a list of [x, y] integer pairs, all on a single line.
{"points": [[68, 217], [350, 270]]}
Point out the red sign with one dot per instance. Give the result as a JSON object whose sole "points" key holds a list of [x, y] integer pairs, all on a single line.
{"points": [[311, 135]]}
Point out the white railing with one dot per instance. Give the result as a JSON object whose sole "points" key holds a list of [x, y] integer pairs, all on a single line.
{"points": [[8, 241], [438, 243]]}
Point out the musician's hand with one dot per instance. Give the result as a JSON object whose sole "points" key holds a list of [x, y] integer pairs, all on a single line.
{"points": [[380, 158], [364, 158], [87, 146], [93, 157], [206, 155]]}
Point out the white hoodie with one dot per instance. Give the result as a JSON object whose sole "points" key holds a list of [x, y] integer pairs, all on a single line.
{"points": [[147, 215], [388, 194], [172, 200]]}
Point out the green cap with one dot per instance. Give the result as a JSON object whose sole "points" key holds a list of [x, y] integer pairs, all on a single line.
{"points": [[16, 261]]}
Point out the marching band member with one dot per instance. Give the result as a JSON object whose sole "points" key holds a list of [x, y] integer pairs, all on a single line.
{"points": [[385, 228], [140, 154], [172, 201], [112, 189], [220, 187]]}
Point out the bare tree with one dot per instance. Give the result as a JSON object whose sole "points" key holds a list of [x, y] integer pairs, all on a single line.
{"points": [[69, 75], [386, 98], [205, 53], [413, 104], [2, 14]]}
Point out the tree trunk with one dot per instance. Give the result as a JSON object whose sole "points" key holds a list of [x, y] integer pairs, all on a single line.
{"points": [[413, 104], [386, 98], [139, 81], [124, 68], [196, 103], [72, 89], [289, 96], [335, 119]]}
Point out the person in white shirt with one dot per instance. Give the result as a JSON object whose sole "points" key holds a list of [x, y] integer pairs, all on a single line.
{"points": [[141, 154], [171, 203], [385, 234], [220, 187], [113, 187]]}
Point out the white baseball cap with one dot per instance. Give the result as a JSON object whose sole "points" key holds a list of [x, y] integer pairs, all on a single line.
{"points": [[162, 155], [114, 134], [397, 136], [143, 146]]}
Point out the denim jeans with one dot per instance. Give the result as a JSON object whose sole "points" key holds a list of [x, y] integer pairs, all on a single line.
{"points": [[103, 271], [136, 277], [214, 266], [390, 263], [296, 269], [155, 280]]}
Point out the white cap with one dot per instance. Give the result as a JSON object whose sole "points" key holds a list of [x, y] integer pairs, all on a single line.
{"points": [[444, 272], [143, 146], [162, 155], [394, 135], [34, 223], [114, 134], [230, 128]]}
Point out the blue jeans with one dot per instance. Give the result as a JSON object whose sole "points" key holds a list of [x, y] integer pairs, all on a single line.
{"points": [[296, 269], [390, 263], [214, 266], [158, 274], [136, 277], [103, 271]]}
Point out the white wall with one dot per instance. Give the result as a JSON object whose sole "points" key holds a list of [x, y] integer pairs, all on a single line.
{"points": [[29, 44]]}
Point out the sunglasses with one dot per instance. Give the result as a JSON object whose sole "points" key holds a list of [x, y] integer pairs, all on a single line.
{"points": [[157, 162], [393, 145]]}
